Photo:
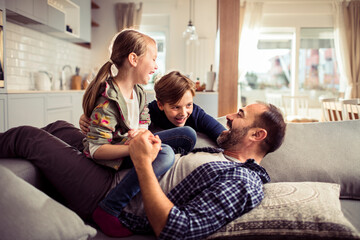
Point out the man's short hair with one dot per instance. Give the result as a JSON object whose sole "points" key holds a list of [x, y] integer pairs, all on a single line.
{"points": [[273, 122]]}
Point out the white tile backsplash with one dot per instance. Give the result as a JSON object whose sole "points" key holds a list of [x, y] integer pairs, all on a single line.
{"points": [[29, 51]]}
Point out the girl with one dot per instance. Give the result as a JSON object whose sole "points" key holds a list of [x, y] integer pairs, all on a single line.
{"points": [[117, 110]]}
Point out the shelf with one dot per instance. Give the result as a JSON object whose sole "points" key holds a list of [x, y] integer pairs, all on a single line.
{"points": [[94, 5], [72, 17], [62, 5], [94, 24], [85, 45]]}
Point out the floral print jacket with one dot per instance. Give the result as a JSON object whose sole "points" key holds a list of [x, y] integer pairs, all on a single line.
{"points": [[109, 122]]}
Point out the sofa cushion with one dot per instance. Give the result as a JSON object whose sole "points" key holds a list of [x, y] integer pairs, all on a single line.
{"points": [[323, 152], [27, 213], [293, 210], [25, 170]]}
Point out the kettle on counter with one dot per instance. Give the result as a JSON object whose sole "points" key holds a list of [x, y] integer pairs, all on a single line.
{"points": [[43, 80]]}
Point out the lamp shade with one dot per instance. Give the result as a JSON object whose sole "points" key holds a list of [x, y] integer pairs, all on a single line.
{"points": [[190, 32]]}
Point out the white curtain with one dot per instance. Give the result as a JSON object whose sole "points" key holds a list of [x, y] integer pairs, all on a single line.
{"points": [[347, 39], [342, 50], [128, 15], [249, 35]]}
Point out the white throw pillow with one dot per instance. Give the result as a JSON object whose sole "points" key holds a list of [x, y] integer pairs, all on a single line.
{"points": [[27, 213]]}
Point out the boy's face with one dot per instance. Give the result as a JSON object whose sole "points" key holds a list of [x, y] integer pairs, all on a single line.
{"points": [[179, 112]]}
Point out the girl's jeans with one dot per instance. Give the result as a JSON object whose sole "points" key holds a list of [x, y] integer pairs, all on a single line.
{"points": [[178, 140]]}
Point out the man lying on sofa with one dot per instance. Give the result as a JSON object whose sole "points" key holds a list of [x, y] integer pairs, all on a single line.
{"points": [[197, 196], [195, 211]]}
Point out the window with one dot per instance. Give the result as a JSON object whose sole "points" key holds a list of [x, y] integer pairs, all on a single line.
{"points": [[318, 66], [317, 69], [157, 27], [271, 69], [160, 39]]}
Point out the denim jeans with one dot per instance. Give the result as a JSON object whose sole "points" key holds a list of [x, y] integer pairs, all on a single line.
{"points": [[180, 139]]}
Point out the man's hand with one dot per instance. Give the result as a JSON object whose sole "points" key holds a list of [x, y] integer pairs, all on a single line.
{"points": [[144, 148], [84, 124], [132, 133]]}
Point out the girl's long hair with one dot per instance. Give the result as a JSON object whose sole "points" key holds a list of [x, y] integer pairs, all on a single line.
{"points": [[125, 42]]}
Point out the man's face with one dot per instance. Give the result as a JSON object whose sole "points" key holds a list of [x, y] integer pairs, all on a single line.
{"points": [[179, 112], [228, 139], [239, 125]]}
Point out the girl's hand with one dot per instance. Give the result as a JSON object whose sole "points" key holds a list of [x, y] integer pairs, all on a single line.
{"points": [[132, 133]]}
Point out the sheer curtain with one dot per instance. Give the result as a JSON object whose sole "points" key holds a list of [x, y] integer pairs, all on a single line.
{"points": [[128, 15], [347, 45], [249, 35]]}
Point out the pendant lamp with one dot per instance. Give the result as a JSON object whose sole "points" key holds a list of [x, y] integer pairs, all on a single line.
{"points": [[190, 32]]}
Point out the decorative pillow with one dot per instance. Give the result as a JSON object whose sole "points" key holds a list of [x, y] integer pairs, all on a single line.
{"points": [[293, 210], [27, 213]]}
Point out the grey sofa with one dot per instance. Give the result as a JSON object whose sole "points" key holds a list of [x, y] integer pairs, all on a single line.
{"points": [[318, 164]]}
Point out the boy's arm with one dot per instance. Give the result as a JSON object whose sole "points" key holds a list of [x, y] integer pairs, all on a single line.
{"points": [[84, 123], [207, 124]]}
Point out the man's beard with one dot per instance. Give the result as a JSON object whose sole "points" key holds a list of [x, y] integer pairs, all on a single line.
{"points": [[228, 139]]}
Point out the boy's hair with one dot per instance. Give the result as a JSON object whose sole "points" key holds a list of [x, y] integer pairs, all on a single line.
{"points": [[172, 87], [125, 42]]}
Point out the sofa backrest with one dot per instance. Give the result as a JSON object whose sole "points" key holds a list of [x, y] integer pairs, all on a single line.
{"points": [[323, 152]]}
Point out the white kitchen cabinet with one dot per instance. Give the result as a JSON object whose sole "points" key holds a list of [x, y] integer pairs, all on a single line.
{"points": [[85, 21], [39, 108], [59, 107], [56, 19], [66, 107], [41, 10], [32, 9], [59, 114], [208, 101], [26, 109], [77, 107], [3, 111], [71, 20]]}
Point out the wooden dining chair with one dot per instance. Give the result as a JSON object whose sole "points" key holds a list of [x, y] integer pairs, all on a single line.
{"points": [[331, 109], [350, 108], [296, 108], [274, 98]]}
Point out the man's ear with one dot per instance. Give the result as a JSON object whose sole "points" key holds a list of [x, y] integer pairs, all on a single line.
{"points": [[160, 105], [258, 134], [133, 59]]}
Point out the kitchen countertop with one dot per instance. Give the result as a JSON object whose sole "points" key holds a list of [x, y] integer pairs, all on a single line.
{"points": [[72, 91], [37, 91]]}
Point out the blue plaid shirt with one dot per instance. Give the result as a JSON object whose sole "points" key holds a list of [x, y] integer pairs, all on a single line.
{"points": [[211, 196]]}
